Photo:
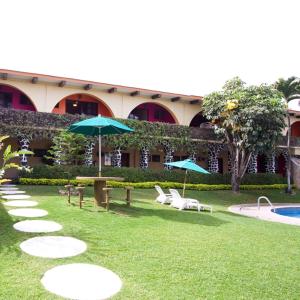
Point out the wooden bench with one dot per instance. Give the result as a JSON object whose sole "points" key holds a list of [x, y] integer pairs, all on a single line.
{"points": [[68, 188], [128, 194], [107, 197], [107, 191], [80, 189]]}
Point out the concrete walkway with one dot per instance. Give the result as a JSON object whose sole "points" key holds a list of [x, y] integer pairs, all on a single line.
{"points": [[265, 212]]}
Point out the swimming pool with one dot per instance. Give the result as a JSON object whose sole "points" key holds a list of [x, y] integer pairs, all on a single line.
{"points": [[293, 212]]}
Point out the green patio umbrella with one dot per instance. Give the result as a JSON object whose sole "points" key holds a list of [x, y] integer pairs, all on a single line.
{"points": [[99, 126], [187, 164]]}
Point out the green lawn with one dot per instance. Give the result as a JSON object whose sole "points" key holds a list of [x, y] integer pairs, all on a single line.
{"points": [[162, 253]]}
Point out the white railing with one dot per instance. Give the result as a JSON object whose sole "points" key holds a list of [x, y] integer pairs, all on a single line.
{"points": [[265, 198]]}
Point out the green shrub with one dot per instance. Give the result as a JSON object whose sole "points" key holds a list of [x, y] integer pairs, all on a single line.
{"points": [[149, 185], [139, 175]]}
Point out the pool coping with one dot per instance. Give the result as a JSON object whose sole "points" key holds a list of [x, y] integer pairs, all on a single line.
{"points": [[265, 213]]}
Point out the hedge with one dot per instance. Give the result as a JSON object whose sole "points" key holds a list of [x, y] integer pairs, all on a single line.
{"points": [[148, 185], [149, 175]]}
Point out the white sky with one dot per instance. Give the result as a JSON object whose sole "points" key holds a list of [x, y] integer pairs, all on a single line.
{"points": [[187, 46]]}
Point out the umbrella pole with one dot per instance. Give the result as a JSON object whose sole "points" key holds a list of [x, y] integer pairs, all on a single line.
{"points": [[184, 183], [99, 154]]}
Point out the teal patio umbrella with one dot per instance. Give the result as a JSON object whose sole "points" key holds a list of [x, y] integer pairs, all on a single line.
{"points": [[187, 164], [99, 126]]}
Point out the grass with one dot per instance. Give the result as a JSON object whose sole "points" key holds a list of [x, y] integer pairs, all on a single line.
{"points": [[162, 253]]}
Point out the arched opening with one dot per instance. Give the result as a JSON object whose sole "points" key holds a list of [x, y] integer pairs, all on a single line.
{"points": [[11, 97], [198, 120], [152, 112], [295, 129], [82, 104], [261, 163]]}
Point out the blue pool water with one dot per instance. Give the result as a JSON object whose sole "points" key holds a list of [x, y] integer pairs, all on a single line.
{"points": [[293, 212]]}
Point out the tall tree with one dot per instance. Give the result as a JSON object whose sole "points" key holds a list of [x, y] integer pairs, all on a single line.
{"points": [[290, 90], [250, 118]]}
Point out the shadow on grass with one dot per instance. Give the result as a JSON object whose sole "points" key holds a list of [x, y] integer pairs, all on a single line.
{"points": [[231, 214], [174, 215], [9, 237]]}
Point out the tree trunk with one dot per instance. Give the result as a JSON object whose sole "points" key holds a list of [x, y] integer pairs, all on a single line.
{"points": [[288, 167], [235, 183], [240, 163]]}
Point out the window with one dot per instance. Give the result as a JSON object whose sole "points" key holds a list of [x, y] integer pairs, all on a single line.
{"points": [[125, 160], [80, 107], [107, 159], [24, 100], [220, 162], [155, 158], [140, 114], [5, 100], [159, 114]]}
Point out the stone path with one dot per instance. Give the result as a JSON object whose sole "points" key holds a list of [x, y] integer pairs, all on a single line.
{"points": [[21, 203], [11, 192], [9, 189], [28, 212], [72, 281], [16, 197], [37, 226], [53, 246], [82, 281]]}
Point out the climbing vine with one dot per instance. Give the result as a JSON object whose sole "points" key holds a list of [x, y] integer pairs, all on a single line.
{"points": [[147, 135]]}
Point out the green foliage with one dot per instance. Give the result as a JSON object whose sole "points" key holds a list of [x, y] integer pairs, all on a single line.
{"points": [[48, 125], [149, 185], [7, 156], [160, 252], [149, 134], [289, 88], [68, 148], [138, 175], [250, 118]]}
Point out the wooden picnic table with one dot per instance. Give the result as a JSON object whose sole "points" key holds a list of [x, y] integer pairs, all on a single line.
{"points": [[100, 187]]}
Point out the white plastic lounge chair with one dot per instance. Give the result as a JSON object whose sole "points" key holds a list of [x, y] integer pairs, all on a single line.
{"points": [[187, 203], [162, 197]]}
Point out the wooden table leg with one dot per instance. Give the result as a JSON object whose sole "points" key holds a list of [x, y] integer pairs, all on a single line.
{"points": [[80, 190], [68, 187], [99, 192], [128, 194]]}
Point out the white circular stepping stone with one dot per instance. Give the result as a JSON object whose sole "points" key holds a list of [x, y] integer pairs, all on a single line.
{"points": [[12, 192], [8, 189], [53, 246], [37, 226], [28, 212], [16, 197], [21, 203], [82, 282]]}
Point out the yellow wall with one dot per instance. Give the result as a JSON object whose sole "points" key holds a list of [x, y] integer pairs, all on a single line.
{"points": [[46, 95]]}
